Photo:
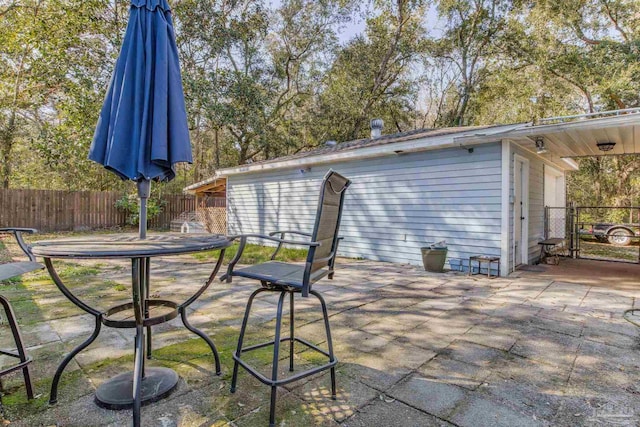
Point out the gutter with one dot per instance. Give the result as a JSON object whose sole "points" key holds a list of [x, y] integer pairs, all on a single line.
{"points": [[358, 154], [601, 123], [397, 148]]}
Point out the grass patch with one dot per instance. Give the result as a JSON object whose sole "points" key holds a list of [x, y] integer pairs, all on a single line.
{"points": [[73, 385], [192, 360], [27, 312], [11, 281], [591, 248], [5, 256], [66, 271], [74, 271], [254, 254]]}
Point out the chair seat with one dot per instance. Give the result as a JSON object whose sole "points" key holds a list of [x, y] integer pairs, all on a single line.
{"points": [[14, 269], [279, 273]]}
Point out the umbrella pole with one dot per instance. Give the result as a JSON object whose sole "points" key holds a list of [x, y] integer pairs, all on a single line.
{"points": [[144, 190]]}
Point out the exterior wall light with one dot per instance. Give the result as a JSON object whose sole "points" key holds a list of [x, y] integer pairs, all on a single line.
{"points": [[606, 146], [540, 148]]}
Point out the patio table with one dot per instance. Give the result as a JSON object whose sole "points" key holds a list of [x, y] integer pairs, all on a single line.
{"points": [[132, 389]]}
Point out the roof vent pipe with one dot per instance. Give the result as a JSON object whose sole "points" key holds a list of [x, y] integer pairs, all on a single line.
{"points": [[376, 128]]}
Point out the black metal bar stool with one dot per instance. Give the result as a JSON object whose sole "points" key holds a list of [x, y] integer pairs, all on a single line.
{"points": [[8, 271], [291, 279]]}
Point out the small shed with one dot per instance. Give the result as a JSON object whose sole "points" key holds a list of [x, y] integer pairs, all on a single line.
{"points": [[211, 205], [481, 189]]}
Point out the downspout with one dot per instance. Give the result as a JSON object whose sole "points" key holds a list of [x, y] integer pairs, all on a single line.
{"points": [[505, 229]]}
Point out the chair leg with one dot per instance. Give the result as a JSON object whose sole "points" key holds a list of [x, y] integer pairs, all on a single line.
{"points": [[291, 332], [276, 354], [17, 338], [243, 328], [327, 328]]}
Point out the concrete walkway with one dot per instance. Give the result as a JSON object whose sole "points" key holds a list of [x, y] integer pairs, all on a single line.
{"points": [[415, 349]]}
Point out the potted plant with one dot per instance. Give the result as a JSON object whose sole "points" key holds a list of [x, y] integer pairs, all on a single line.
{"points": [[434, 256]]}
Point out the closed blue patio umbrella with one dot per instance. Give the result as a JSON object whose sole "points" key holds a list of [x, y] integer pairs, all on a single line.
{"points": [[142, 131], [141, 134]]}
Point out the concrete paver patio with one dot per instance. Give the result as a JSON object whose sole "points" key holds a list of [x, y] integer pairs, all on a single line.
{"points": [[415, 349]]}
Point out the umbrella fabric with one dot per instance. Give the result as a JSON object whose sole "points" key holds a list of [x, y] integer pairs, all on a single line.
{"points": [[142, 131]]}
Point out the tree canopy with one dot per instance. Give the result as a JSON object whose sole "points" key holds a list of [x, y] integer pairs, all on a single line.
{"points": [[263, 81]]}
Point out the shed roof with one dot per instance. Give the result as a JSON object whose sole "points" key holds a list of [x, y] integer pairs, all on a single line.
{"points": [[374, 142], [338, 151], [565, 138]]}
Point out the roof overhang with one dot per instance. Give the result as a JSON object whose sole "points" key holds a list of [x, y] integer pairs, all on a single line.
{"points": [[425, 143], [565, 142], [212, 185]]}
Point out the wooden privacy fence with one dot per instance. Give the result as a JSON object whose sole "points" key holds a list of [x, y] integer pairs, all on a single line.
{"points": [[175, 204], [50, 210]]}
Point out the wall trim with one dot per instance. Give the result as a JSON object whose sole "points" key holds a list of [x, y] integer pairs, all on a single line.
{"points": [[524, 252], [504, 228]]}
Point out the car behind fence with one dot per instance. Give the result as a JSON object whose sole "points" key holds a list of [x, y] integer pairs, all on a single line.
{"points": [[596, 232]]}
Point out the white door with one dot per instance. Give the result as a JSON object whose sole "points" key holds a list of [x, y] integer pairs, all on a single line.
{"points": [[553, 188], [551, 195], [554, 198], [521, 211]]}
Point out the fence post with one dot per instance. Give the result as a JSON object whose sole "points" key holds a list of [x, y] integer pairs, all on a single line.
{"points": [[575, 231], [571, 228], [546, 222]]}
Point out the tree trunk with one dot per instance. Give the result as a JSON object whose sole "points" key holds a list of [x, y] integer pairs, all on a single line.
{"points": [[217, 144], [242, 154], [459, 120], [6, 146]]}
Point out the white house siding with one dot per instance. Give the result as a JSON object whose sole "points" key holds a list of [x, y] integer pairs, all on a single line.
{"points": [[395, 205], [536, 205]]}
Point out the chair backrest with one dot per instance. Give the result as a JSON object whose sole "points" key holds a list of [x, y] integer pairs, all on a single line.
{"points": [[327, 224]]}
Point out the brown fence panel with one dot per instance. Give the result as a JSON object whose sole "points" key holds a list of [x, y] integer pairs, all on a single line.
{"points": [[49, 210], [174, 205]]}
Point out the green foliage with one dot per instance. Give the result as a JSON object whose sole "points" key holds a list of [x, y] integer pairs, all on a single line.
{"points": [[371, 76], [54, 62], [263, 81], [607, 181], [469, 41], [591, 248], [254, 254], [130, 204]]}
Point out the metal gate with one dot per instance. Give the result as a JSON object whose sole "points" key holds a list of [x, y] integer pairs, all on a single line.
{"points": [[608, 233]]}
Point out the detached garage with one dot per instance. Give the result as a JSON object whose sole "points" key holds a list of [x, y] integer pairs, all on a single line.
{"points": [[480, 189]]}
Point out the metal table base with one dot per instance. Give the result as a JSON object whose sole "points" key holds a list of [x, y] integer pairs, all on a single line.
{"points": [[143, 385], [116, 393]]}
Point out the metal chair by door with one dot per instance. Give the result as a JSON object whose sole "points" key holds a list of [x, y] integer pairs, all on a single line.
{"points": [[8, 271], [290, 279]]}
